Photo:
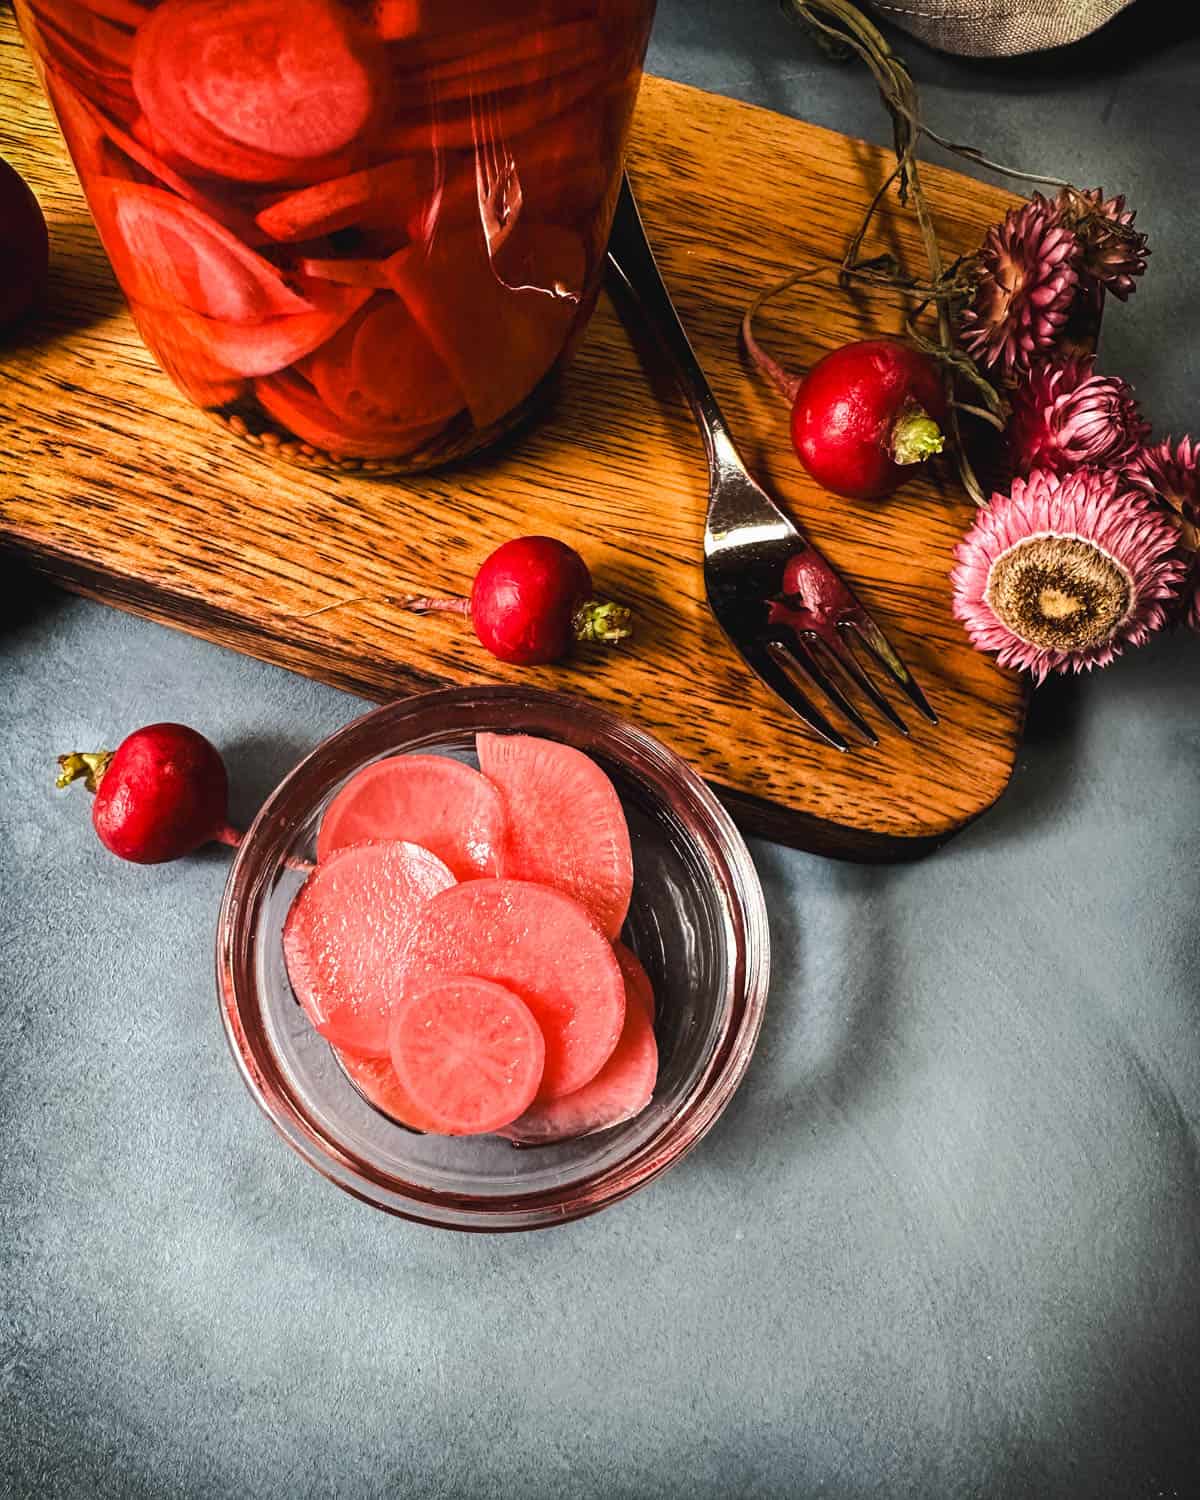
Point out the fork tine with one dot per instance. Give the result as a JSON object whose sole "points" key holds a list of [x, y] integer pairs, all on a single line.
{"points": [[874, 640], [796, 649], [779, 682], [847, 661]]}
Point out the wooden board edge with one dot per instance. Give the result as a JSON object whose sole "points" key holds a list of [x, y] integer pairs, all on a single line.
{"points": [[754, 816]]}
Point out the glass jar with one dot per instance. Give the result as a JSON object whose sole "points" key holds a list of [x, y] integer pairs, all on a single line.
{"points": [[365, 233]]}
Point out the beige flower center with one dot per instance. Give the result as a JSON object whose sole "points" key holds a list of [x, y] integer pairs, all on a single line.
{"points": [[1059, 593]]}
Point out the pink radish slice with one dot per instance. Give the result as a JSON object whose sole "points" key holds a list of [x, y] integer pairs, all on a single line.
{"points": [[380, 367], [263, 348], [347, 271], [545, 948], [637, 981], [189, 363], [171, 253], [510, 111], [566, 826], [295, 405], [620, 1090], [496, 342], [241, 226], [467, 1052], [161, 59], [431, 800], [287, 78], [340, 202], [106, 45], [347, 934], [375, 1079]]}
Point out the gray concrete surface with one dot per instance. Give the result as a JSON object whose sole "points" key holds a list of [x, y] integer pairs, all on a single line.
{"points": [[946, 1242]]}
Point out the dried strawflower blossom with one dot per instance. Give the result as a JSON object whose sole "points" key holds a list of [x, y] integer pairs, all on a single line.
{"points": [[1027, 279], [1171, 471], [1064, 415], [1113, 252], [1065, 571]]}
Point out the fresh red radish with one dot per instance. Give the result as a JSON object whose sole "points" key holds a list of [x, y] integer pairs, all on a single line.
{"points": [[160, 794], [864, 416], [498, 332], [376, 1081], [295, 405], [566, 825], [467, 1052], [532, 600], [543, 946], [431, 800], [24, 247], [348, 932], [620, 1090], [637, 981]]}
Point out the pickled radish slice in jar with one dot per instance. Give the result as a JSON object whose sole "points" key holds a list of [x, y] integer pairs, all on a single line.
{"points": [[373, 230]]}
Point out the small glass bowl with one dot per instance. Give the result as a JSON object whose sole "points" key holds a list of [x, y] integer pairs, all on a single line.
{"points": [[697, 921]]}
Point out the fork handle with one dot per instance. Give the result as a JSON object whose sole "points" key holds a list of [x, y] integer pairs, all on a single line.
{"points": [[632, 260]]}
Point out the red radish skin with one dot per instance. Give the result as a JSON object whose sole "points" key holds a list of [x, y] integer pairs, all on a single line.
{"points": [[865, 416], [24, 247], [432, 800], [543, 946], [467, 1052], [162, 793]]}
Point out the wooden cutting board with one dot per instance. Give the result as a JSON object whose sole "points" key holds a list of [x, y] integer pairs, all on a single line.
{"points": [[113, 485]]}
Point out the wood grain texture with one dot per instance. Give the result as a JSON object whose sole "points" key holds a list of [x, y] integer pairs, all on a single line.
{"points": [[114, 485]]}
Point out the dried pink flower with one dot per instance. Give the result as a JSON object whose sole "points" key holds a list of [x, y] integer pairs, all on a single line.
{"points": [[1114, 253], [1028, 275], [1064, 415], [1064, 572], [1171, 472]]}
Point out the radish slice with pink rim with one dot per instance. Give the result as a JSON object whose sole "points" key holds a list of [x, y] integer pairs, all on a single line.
{"points": [[295, 405], [467, 1052], [347, 935], [637, 981], [621, 1089], [431, 800], [265, 91], [545, 948], [566, 826]]}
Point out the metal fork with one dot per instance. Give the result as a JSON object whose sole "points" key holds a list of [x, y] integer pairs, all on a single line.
{"points": [[497, 182], [788, 613]]}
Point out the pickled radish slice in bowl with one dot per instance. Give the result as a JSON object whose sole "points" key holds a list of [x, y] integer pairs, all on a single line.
{"points": [[431, 800]]}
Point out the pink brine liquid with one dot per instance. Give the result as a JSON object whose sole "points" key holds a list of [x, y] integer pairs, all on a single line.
{"points": [[363, 234]]}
